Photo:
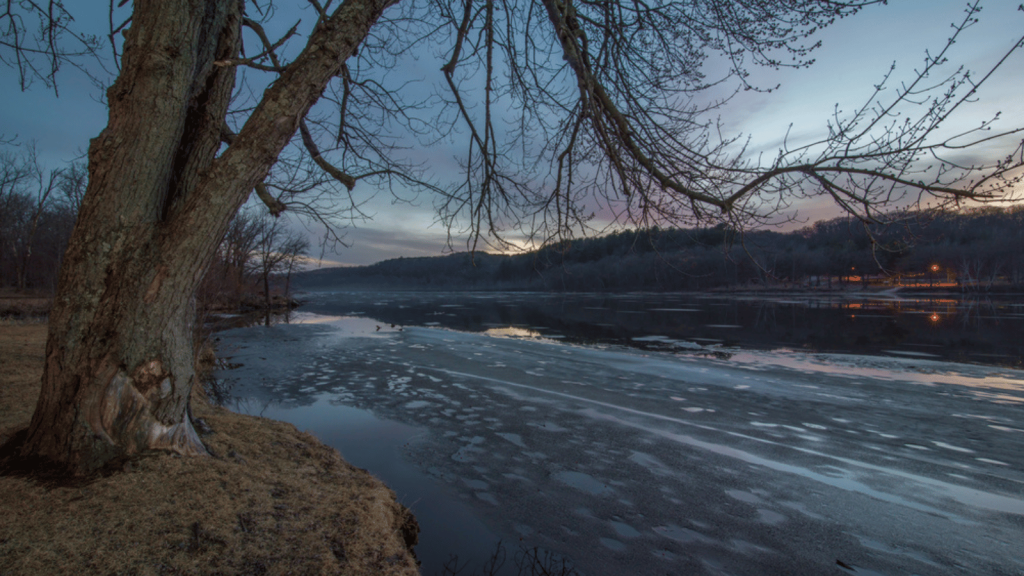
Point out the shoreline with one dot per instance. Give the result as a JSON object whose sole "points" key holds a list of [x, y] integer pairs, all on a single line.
{"points": [[270, 499]]}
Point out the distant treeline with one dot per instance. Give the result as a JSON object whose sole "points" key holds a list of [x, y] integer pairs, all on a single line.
{"points": [[38, 209], [976, 249]]}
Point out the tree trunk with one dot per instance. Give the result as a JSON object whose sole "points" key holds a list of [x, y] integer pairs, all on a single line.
{"points": [[119, 356], [119, 360]]}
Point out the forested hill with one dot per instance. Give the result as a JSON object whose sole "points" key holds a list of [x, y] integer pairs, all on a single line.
{"points": [[975, 249]]}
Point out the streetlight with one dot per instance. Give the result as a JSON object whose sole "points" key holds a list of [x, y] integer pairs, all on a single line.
{"points": [[931, 277]]}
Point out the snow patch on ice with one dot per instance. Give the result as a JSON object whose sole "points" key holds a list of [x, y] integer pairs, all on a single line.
{"points": [[513, 438], [951, 447], [624, 530], [680, 534], [612, 544], [583, 482]]}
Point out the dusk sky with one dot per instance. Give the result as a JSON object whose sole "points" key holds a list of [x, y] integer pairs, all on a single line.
{"points": [[855, 55]]}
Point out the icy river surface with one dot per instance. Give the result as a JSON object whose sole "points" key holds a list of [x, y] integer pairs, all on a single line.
{"points": [[683, 457]]}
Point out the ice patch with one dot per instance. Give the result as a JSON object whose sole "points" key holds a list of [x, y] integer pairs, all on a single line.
{"points": [[475, 484], [466, 454], [951, 447], [417, 404], [487, 497], [801, 508], [911, 353], [743, 496], [613, 544], [989, 461], [584, 482], [513, 438], [523, 529], [687, 345], [664, 555], [679, 534], [852, 569], [624, 530], [744, 547], [548, 427], [655, 466], [770, 517]]}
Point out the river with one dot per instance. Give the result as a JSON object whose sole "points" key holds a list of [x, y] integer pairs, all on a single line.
{"points": [[652, 434]]}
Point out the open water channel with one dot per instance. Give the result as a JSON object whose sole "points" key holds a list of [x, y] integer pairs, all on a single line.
{"points": [[670, 433]]}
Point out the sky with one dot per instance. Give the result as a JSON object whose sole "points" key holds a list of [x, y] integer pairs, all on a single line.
{"points": [[855, 54]]}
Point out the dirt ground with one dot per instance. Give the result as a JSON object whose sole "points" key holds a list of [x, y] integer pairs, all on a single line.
{"points": [[271, 500]]}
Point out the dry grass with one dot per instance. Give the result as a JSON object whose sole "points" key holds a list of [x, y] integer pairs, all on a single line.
{"points": [[272, 500]]}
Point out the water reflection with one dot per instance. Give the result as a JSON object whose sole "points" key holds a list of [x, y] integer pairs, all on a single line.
{"points": [[539, 446], [373, 443], [512, 332], [976, 330]]}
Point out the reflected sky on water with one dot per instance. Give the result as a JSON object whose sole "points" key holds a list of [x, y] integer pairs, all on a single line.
{"points": [[969, 329]]}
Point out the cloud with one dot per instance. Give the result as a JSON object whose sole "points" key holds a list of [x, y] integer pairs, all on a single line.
{"points": [[370, 245]]}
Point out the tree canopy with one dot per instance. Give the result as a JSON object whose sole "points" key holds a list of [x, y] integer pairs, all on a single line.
{"points": [[562, 108]]}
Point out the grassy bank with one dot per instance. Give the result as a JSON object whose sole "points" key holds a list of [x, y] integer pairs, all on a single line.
{"points": [[271, 500]]}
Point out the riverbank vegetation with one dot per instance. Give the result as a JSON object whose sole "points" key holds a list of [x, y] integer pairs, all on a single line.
{"points": [[977, 249], [251, 269], [269, 499]]}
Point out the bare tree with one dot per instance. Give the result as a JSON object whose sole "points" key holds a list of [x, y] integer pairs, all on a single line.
{"points": [[295, 249], [16, 175], [561, 103], [73, 183], [617, 111], [238, 248], [275, 252], [26, 194]]}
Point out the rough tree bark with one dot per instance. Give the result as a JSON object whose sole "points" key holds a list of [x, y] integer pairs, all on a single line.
{"points": [[119, 356]]}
